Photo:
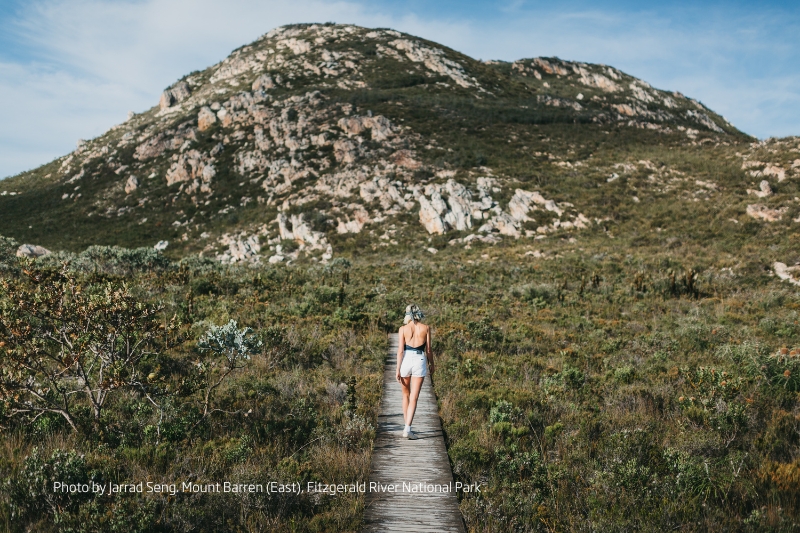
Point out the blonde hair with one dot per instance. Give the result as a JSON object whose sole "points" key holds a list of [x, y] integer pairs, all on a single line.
{"points": [[413, 312]]}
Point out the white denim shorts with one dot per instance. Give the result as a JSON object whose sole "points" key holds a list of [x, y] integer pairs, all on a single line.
{"points": [[414, 364]]}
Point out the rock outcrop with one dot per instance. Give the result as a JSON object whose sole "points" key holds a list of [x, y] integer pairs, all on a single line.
{"points": [[241, 248], [206, 118], [131, 184], [32, 251], [763, 212], [175, 94], [763, 191], [787, 273], [267, 128]]}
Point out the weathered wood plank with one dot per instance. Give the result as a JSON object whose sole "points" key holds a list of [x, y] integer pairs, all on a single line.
{"points": [[396, 461]]}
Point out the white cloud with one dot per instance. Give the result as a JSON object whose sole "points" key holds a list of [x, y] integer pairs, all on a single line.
{"points": [[97, 59], [93, 60]]}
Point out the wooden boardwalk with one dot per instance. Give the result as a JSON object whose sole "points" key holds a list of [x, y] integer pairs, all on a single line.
{"points": [[396, 461]]}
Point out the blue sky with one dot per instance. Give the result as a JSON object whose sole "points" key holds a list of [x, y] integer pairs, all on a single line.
{"points": [[70, 69]]}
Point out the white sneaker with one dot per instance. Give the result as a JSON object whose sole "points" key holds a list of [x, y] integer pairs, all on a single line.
{"points": [[405, 434], [410, 435]]}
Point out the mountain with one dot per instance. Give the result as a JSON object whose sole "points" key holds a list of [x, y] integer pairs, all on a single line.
{"points": [[610, 272], [320, 139]]}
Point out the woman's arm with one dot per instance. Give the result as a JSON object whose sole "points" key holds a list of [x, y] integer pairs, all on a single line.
{"points": [[400, 345], [429, 350]]}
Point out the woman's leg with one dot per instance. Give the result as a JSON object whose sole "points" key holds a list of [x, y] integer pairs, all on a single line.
{"points": [[405, 390], [411, 399]]}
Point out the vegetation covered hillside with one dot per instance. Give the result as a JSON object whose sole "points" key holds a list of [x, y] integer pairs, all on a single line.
{"points": [[611, 272], [311, 134]]}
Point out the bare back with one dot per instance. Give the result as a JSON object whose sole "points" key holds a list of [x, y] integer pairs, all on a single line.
{"points": [[415, 334]]}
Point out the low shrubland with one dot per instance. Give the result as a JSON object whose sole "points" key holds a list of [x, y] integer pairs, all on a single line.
{"points": [[599, 386], [181, 372]]}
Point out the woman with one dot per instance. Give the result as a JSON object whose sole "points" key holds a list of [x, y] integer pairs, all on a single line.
{"points": [[414, 357]]}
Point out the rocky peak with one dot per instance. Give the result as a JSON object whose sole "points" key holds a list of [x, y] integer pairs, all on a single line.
{"points": [[295, 139]]}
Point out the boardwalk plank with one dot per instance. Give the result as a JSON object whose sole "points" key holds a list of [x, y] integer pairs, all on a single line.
{"points": [[396, 460]]}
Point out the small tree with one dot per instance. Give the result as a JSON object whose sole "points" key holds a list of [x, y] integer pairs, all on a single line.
{"points": [[236, 345], [61, 341]]}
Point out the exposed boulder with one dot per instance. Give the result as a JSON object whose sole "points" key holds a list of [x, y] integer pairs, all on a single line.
{"points": [[786, 273], [405, 159], [386, 193], [205, 118], [32, 251], [175, 94], [704, 120], [434, 59], [439, 215], [131, 184], [763, 212], [295, 228], [355, 222], [345, 151], [506, 225], [460, 202], [151, 148], [550, 68], [380, 127], [241, 248], [774, 170], [195, 167], [521, 204], [763, 191], [429, 216], [263, 82], [592, 79]]}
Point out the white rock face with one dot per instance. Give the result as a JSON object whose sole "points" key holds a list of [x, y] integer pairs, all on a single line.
{"points": [[522, 203], [32, 251], [386, 193], [355, 222], [131, 184], [774, 170], [640, 93], [763, 191], [195, 168], [241, 248], [599, 81], [506, 225], [298, 46], [345, 151], [763, 212], [295, 228], [434, 59], [703, 119], [234, 66], [550, 68], [175, 94], [429, 217], [460, 202], [380, 126], [263, 82], [205, 118], [456, 212], [790, 274]]}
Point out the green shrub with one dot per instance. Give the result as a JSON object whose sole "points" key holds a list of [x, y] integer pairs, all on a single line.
{"points": [[624, 374]]}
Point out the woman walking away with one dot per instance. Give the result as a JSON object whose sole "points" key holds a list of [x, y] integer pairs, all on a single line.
{"points": [[414, 357]]}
